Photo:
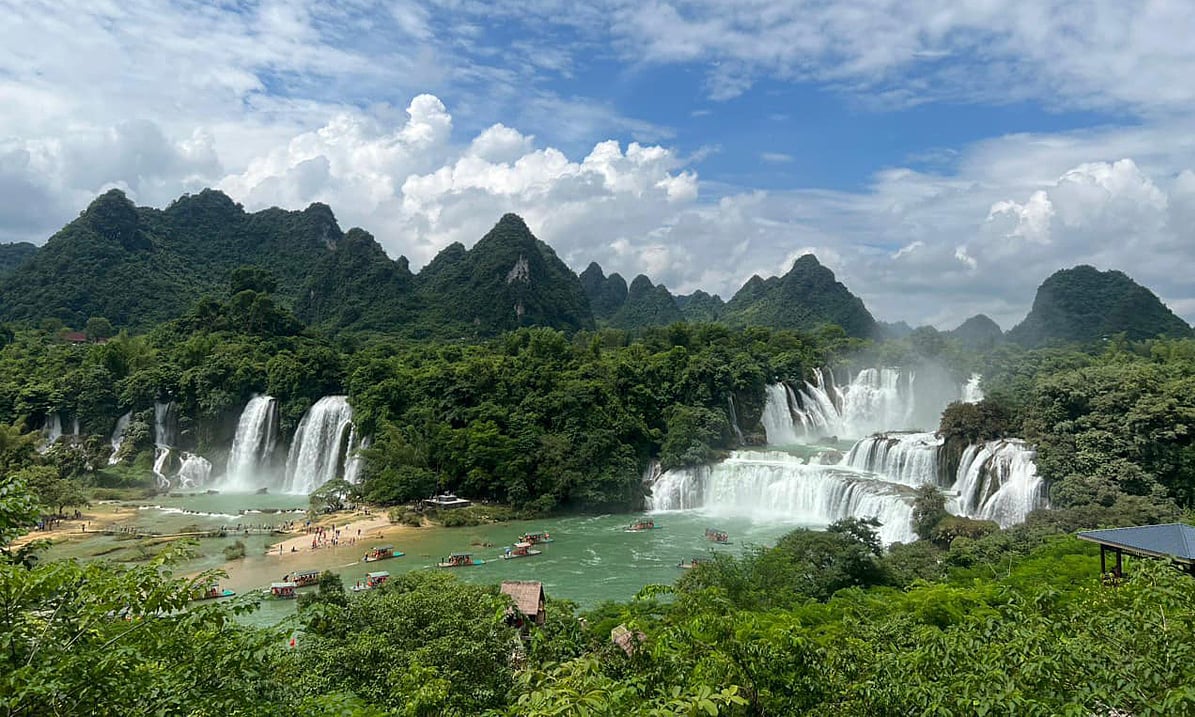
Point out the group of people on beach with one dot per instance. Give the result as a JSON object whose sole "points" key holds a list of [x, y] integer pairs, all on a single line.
{"points": [[323, 536]]}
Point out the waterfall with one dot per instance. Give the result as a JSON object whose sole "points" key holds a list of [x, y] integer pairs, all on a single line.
{"points": [[772, 485], [734, 418], [75, 430], [161, 458], [165, 424], [876, 400], [194, 471], [53, 431], [317, 454], [352, 468], [122, 425], [256, 435], [907, 458], [777, 419], [972, 393], [998, 481]]}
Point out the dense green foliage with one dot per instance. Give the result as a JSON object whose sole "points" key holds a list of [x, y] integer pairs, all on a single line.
{"points": [[646, 305], [1084, 305], [806, 298], [700, 307], [13, 255], [978, 333], [606, 294]]}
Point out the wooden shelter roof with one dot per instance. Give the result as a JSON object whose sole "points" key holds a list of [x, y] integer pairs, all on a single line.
{"points": [[527, 595]]}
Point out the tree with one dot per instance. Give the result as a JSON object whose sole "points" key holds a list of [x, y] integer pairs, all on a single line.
{"points": [[51, 489], [98, 328], [330, 496], [929, 508]]}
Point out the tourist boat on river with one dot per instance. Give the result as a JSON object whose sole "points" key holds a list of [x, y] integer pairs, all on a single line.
{"points": [[304, 579], [520, 550], [641, 525], [536, 538], [382, 552], [460, 560], [692, 563], [284, 591], [212, 592], [372, 580], [721, 537]]}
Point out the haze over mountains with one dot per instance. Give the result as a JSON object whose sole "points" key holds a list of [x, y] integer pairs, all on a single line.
{"points": [[137, 266]]}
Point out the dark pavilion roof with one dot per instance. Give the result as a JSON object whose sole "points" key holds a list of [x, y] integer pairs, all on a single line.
{"points": [[1173, 540]]}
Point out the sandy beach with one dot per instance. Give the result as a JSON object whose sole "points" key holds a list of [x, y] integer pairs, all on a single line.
{"points": [[375, 525], [94, 519]]}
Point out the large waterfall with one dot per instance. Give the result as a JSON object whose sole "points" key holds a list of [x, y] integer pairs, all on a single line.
{"points": [[252, 446], [777, 419], [773, 485], [322, 442], [907, 458], [998, 481], [122, 425], [875, 400]]}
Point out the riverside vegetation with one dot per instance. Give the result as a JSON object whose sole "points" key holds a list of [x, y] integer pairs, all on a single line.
{"points": [[970, 619]]}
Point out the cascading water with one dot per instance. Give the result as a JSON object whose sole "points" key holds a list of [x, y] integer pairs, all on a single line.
{"points": [[318, 452], [53, 431], [777, 419], [193, 472], [352, 468], [161, 459], [256, 435], [165, 424], [773, 485], [122, 425], [907, 458], [734, 418], [972, 393], [998, 481]]}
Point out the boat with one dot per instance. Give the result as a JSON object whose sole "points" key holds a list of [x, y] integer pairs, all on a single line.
{"points": [[372, 580], [693, 562], [721, 537], [213, 592], [305, 578], [382, 552], [640, 525], [284, 591], [520, 550], [536, 538], [460, 560]]}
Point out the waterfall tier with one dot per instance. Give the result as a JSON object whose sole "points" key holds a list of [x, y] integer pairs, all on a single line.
{"points": [[193, 471], [907, 458], [122, 425], [252, 446], [998, 481], [773, 485], [165, 424], [321, 444], [777, 418]]}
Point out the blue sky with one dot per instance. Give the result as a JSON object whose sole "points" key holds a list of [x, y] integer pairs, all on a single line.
{"points": [[941, 156]]}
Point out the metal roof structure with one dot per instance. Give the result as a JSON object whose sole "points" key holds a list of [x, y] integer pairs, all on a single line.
{"points": [[1169, 540]]}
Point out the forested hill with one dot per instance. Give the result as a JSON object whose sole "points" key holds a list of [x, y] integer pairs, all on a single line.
{"points": [[1084, 305], [138, 266], [805, 298], [12, 255]]}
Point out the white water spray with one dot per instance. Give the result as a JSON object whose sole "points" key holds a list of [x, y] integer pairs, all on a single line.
{"points": [[317, 454], [256, 435]]}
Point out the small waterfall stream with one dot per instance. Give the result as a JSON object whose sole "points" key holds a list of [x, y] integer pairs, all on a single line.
{"points": [[122, 425]]}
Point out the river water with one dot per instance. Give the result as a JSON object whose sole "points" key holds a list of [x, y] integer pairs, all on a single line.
{"points": [[592, 559]]}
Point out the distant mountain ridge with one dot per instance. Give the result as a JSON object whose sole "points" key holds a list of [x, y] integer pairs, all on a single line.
{"points": [[1085, 305]]}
